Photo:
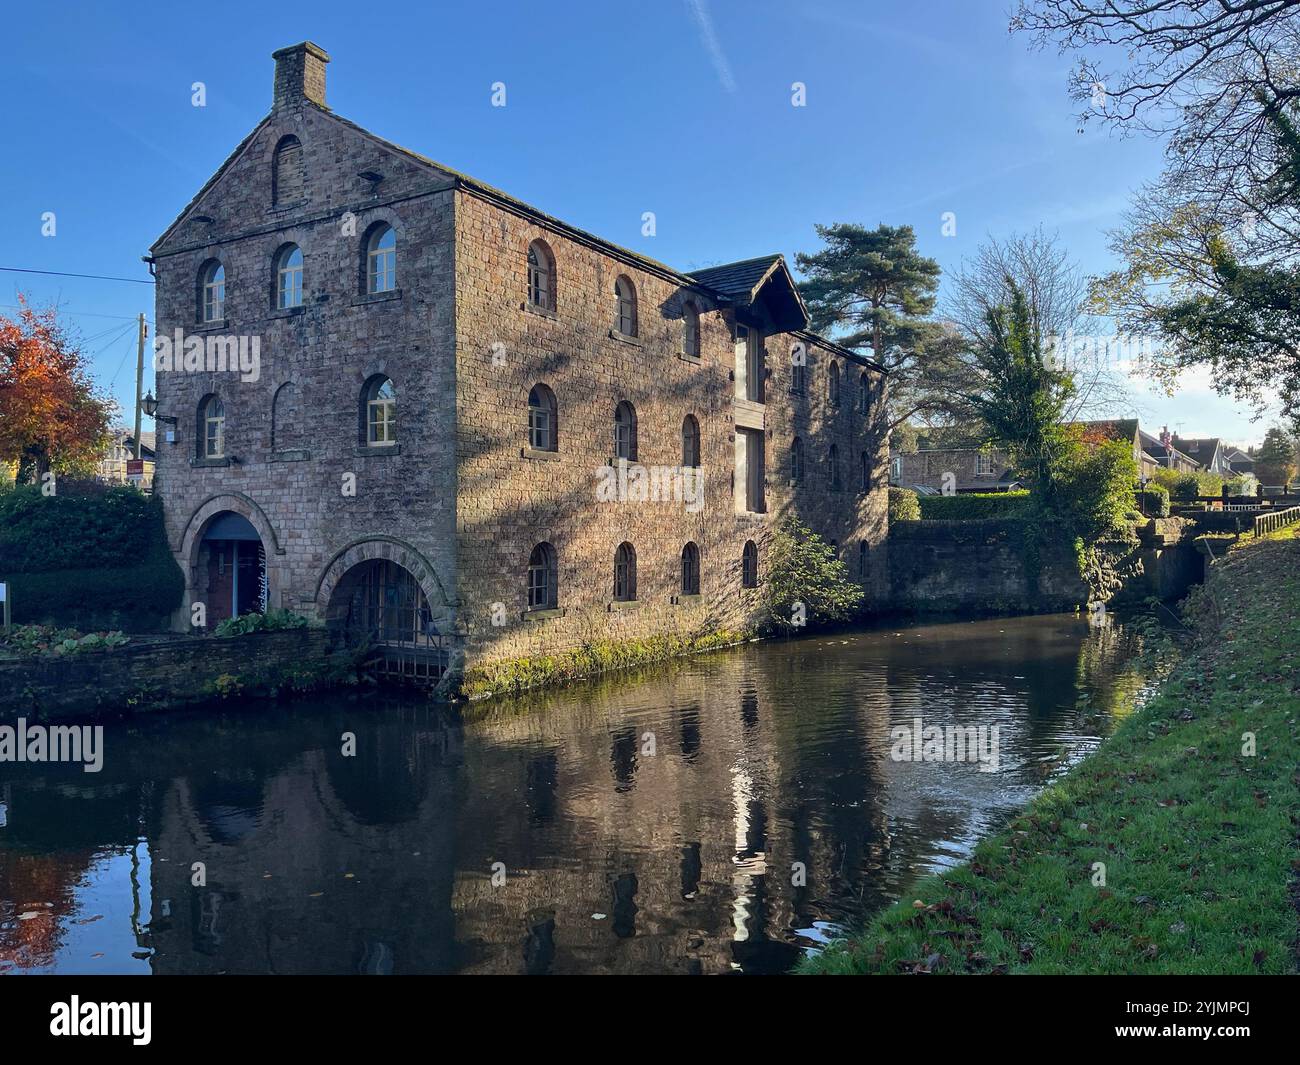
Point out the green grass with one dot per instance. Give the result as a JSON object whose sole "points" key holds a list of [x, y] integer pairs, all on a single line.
{"points": [[515, 675], [1198, 839]]}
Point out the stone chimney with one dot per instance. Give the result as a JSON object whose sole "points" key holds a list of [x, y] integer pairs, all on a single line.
{"points": [[299, 75]]}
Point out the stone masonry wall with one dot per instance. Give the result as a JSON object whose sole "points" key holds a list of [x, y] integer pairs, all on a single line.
{"points": [[292, 490], [509, 501], [144, 674]]}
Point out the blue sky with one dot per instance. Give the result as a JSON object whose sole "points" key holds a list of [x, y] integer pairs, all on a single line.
{"points": [[679, 107]]}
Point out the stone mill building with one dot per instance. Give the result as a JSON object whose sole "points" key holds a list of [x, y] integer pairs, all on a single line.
{"points": [[401, 401]]}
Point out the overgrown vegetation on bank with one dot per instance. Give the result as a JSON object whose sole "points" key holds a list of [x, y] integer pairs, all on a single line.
{"points": [[516, 675], [1190, 807], [92, 562], [973, 506]]}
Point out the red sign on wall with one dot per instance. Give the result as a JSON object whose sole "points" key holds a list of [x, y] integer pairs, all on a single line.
{"points": [[135, 467]]}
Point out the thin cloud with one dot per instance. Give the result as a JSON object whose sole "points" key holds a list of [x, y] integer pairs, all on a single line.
{"points": [[709, 38]]}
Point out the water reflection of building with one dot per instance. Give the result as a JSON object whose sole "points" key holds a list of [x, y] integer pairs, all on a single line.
{"points": [[673, 806]]}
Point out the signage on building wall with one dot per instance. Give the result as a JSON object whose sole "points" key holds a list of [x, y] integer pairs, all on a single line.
{"points": [[135, 467]]}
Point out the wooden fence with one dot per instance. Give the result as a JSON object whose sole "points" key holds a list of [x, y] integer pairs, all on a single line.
{"points": [[1277, 519]]}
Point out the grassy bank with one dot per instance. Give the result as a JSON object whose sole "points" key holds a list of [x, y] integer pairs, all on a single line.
{"points": [[1196, 834], [515, 675]]}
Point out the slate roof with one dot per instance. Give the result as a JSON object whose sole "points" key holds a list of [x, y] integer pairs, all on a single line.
{"points": [[738, 280], [727, 281]]}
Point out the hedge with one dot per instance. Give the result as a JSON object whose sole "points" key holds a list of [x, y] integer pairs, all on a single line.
{"points": [[976, 506], [1153, 501], [63, 557], [903, 505]]}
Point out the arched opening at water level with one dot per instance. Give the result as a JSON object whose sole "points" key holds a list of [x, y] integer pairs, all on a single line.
{"points": [[379, 604]]}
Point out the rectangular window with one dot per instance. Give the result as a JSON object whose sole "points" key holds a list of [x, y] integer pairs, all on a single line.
{"points": [[383, 272], [290, 286], [214, 300], [215, 440], [539, 429], [382, 422], [754, 471], [983, 464]]}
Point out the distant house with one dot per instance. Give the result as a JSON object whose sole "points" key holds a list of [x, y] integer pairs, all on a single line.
{"points": [[1239, 461], [960, 469], [1161, 453], [112, 468], [1206, 450]]}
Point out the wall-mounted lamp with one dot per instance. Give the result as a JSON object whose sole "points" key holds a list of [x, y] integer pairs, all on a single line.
{"points": [[150, 407]]}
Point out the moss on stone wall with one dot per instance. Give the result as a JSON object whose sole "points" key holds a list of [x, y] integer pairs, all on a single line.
{"points": [[521, 674]]}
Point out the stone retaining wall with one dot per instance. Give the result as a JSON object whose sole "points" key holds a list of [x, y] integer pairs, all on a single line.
{"points": [[165, 673]]}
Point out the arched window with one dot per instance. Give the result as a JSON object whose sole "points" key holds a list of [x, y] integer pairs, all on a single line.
{"points": [[864, 558], [288, 277], [543, 587], [624, 306], [379, 412], [286, 173], [381, 259], [690, 442], [212, 428], [691, 330], [866, 472], [796, 461], [285, 425], [833, 386], [625, 431], [749, 565], [690, 570], [833, 468], [864, 394], [799, 374], [625, 573], [541, 276], [542, 427], [212, 292]]}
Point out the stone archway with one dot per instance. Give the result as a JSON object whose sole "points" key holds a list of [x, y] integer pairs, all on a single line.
{"points": [[235, 511], [383, 594]]}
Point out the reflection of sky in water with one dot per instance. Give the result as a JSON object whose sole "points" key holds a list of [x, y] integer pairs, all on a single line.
{"points": [[678, 804]]}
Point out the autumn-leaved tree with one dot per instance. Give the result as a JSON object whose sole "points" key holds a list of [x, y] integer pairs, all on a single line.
{"points": [[52, 417]]}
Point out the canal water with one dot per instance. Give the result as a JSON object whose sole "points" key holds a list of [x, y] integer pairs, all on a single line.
{"points": [[724, 813]]}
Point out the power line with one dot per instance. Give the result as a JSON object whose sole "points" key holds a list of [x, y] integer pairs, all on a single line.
{"points": [[80, 314], [61, 273]]}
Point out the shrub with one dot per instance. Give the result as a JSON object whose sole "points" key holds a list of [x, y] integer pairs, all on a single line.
{"points": [[1154, 501], [903, 505], [1094, 489], [49, 639], [271, 621], [806, 582], [973, 507], [91, 561]]}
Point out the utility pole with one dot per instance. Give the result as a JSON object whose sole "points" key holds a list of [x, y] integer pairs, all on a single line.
{"points": [[139, 381]]}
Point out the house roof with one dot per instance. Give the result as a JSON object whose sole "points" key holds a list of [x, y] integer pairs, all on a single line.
{"points": [[737, 283], [1197, 445], [1157, 450]]}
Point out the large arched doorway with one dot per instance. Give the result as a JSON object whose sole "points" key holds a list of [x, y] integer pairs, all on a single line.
{"points": [[231, 568], [380, 604]]}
